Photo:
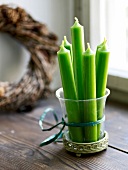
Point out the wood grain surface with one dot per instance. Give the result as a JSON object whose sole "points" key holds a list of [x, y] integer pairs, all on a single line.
{"points": [[20, 136]]}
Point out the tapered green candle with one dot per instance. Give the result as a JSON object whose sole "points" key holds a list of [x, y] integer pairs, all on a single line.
{"points": [[77, 36], [68, 46], [66, 72], [102, 70], [101, 79], [78, 47], [89, 79]]}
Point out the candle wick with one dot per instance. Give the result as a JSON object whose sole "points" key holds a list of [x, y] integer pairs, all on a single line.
{"points": [[88, 45], [62, 45], [105, 40], [65, 38], [76, 19]]}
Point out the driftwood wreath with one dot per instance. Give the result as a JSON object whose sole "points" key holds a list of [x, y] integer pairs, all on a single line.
{"points": [[42, 46]]}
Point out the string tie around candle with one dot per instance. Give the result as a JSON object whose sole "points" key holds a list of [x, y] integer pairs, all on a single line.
{"points": [[56, 137]]}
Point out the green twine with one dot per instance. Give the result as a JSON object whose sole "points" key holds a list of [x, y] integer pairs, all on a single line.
{"points": [[55, 137]]}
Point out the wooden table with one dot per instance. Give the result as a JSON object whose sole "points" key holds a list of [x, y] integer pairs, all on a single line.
{"points": [[20, 136]]}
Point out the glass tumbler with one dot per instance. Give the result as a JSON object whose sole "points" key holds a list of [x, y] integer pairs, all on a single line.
{"points": [[85, 123]]}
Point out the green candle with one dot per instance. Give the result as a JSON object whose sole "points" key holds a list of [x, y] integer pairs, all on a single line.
{"points": [[68, 46], [89, 79], [101, 78], [66, 72], [77, 36], [102, 70]]}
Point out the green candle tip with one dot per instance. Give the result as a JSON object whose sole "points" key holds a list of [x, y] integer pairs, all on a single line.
{"points": [[88, 50], [104, 46]]}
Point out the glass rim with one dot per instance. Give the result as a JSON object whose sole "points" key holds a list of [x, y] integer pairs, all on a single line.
{"points": [[61, 98]]}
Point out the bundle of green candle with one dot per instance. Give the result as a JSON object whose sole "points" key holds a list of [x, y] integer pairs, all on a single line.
{"points": [[84, 77]]}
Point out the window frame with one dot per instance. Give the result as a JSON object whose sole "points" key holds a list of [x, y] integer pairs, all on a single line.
{"points": [[117, 79]]}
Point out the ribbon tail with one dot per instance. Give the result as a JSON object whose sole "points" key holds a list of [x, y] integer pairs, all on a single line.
{"points": [[52, 138]]}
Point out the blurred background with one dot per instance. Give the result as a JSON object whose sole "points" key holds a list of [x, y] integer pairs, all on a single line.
{"points": [[100, 18]]}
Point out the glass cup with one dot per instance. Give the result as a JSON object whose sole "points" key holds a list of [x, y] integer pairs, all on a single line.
{"points": [[84, 118]]}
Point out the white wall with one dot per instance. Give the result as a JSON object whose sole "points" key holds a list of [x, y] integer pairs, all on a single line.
{"points": [[57, 15]]}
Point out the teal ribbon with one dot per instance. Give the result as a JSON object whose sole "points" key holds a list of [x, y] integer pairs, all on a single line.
{"points": [[55, 137]]}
